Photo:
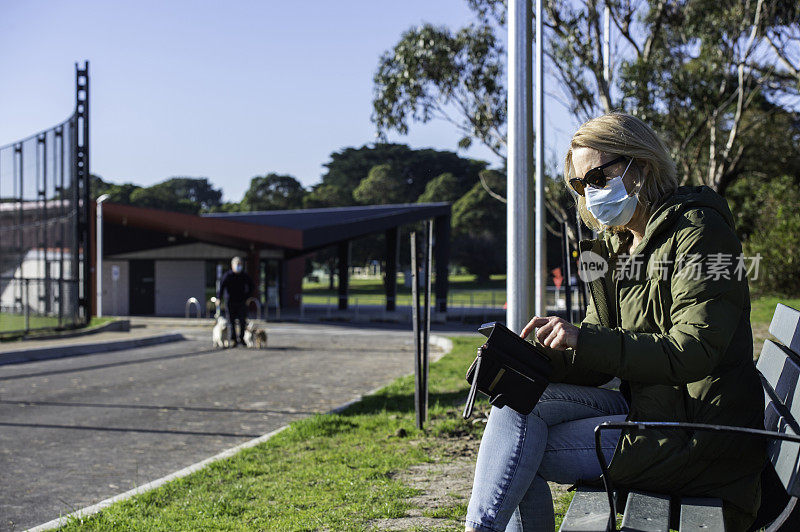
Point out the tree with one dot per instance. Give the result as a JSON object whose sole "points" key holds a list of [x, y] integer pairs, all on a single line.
{"points": [[197, 190], [446, 187], [327, 195], [273, 192], [348, 167], [479, 229], [455, 76], [116, 193], [383, 185], [163, 197], [179, 194], [768, 221]]}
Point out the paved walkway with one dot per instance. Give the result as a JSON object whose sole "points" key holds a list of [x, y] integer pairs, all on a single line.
{"points": [[74, 431]]}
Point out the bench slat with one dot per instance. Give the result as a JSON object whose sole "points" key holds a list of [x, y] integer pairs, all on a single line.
{"points": [[701, 515], [785, 326], [646, 512], [588, 511], [781, 370], [783, 455]]}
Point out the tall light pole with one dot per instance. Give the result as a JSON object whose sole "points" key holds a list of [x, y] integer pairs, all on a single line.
{"points": [[519, 248], [607, 45], [98, 267], [541, 235]]}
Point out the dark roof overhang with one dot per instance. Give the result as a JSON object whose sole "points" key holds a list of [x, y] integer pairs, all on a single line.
{"points": [[297, 231], [223, 232]]}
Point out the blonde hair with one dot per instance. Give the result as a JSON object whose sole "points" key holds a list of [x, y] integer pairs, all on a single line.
{"points": [[626, 135]]}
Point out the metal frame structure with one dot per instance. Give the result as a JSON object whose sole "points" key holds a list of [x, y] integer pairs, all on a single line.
{"points": [[44, 191], [82, 183]]}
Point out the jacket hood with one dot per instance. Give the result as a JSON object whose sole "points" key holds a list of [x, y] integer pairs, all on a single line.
{"points": [[683, 199]]}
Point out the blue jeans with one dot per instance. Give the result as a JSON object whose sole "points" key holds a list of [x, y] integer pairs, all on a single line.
{"points": [[519, 454]]}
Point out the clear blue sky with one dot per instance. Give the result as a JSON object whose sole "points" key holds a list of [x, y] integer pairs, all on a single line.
{"points": [[224, 90]]}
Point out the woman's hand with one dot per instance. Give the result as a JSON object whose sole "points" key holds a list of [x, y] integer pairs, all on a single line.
{"points": [[554, 332]]}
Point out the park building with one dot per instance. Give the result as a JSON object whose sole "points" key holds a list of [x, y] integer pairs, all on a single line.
{"points": [[154, 261]]}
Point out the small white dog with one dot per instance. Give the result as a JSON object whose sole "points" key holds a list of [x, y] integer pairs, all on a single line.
{"points": [[255, 336], [220, 333]]}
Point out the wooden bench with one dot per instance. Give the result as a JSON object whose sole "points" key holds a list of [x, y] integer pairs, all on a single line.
{"points": [[779, 367]]}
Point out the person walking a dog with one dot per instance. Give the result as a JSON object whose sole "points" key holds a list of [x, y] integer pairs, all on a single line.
{"points": [[235, 287]]}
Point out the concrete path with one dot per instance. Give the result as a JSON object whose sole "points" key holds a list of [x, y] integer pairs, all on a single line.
{"points": [[74, 431]]}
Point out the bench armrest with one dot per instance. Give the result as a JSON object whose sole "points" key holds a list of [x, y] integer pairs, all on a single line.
{"points": [[662, 425]]}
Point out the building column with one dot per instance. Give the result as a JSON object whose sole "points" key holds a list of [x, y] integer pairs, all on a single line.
{"points": [[441, 255], [252, 268], [343, 267], [292, 273], [390, 274]]}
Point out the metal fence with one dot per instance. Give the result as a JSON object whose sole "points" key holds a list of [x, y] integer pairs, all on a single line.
{"points": [[44, 231]]}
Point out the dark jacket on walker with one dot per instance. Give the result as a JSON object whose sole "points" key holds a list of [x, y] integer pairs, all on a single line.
{"points": [[235, 288]]}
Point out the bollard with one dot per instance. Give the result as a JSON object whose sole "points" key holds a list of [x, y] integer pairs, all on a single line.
{"points": [[258, 306], [192, 301]]}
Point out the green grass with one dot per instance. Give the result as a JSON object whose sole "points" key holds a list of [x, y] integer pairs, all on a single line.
{"points": [[455, 513], [10, 322], [332, 472], [13, 325], [463, 290], [764, 307]]}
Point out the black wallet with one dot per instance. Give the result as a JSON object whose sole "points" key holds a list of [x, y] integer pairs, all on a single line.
{"points": [[508, 369]]}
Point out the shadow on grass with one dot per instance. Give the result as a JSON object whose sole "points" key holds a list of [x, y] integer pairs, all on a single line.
{"points": [[402, 403]]}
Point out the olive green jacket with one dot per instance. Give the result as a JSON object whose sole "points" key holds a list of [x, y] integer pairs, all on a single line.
{"points": [[679, 337]]}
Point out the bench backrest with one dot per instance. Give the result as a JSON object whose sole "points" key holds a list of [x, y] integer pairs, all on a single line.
{"points": [[779, 364]]}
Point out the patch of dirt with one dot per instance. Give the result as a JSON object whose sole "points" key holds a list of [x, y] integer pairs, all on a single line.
{"points": [[760, 333], [442, 484]]}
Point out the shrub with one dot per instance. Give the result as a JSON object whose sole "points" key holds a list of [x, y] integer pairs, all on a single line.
{"points": [[770, 214]]}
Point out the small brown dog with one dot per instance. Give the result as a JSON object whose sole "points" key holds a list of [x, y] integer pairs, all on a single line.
{"points": [[255, 336]]}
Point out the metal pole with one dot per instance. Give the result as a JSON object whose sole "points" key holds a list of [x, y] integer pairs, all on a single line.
{"points": [[541, 235], [427, 329], [607, 44], [519, 249], [584, 297], [415, 322], [99, 249], [567, 272]]}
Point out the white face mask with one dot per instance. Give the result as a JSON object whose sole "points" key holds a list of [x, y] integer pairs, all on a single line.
{"points": [[612, 205], [238, 268]]}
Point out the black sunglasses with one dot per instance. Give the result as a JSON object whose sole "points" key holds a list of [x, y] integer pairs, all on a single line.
{"points": [[594, 177]]}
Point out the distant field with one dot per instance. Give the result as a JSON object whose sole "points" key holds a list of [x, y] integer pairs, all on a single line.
{"points": [[463, 291]]}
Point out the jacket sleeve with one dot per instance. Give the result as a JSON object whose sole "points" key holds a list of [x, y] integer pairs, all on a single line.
{"points": [[703, 315], [564, 368]]}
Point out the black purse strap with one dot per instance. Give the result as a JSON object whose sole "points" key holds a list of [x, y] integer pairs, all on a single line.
{"points": [[474, 388]]}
